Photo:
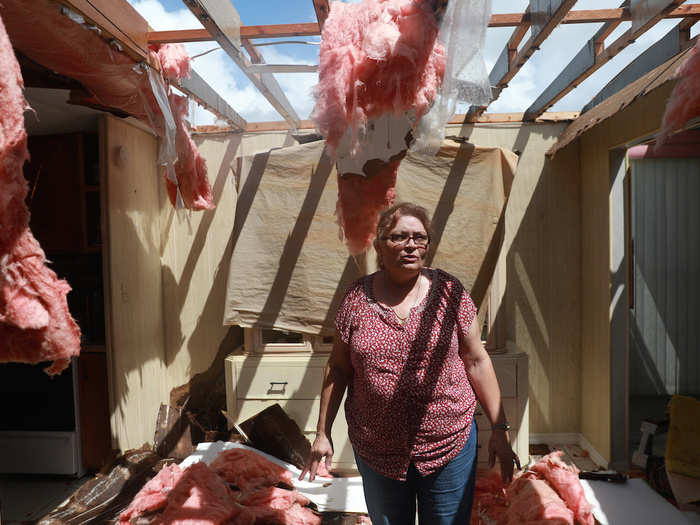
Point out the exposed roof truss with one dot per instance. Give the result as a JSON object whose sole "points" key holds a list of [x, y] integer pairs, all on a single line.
{"points": [[539, 20]]}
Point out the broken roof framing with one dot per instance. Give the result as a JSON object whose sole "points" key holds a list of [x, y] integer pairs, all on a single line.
{"points": [[541, 18]]}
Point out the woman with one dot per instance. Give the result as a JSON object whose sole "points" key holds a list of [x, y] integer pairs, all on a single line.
{"points": [[411, 357]]}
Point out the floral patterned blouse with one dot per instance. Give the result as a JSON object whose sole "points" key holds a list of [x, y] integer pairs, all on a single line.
{"points": [[409, 399]]}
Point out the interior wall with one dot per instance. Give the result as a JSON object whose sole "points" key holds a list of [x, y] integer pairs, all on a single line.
{"points": [[541, 254], [541, 304], [195, 254], [638, 120], [540, 310]]}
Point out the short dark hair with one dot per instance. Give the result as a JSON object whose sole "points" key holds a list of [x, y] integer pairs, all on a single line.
{"points": [[388, 219]]}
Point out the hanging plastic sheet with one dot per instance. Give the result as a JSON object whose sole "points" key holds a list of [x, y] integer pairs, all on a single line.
{"points": [[167, 154], [463, 35]]}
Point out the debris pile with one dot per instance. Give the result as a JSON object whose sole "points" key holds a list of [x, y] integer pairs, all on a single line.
{"points": [[229, 492], [547, 492]]}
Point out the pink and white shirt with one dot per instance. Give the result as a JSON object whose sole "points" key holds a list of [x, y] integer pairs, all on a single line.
{"points": [[409, 399]]}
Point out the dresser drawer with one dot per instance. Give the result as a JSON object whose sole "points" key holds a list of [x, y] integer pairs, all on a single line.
{"points": [[257, 378]]}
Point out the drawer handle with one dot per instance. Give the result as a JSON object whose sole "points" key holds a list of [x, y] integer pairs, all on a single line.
{"points": [[277, 387]]}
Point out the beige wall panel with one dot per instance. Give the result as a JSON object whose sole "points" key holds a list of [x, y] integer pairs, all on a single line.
{"points": [[195, 254], [132, 273], [640, 119], [541, 304]]}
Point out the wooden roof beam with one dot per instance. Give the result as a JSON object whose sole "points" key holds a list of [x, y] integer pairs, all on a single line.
{"points": [[322, 10], [511, 60], [216, 16], [197, 88], [497, 20], [488, 118], [674, 42], [593, 56], [247, 32]]}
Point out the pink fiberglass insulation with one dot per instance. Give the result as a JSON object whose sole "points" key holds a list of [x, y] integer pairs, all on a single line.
{"points": [[294, 515], [532, 500], [684, 102], [200, 497], [564, 479], [273, 497], [41, 32], [174, 60], [490, 505], [248, 470], [35, 324], [154, 494], [190, 168], [360, 201], [377, 56], [275, 505]]}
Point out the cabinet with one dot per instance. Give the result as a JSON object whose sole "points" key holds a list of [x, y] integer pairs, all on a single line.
{"points": [[254, 382], [64, 195]]}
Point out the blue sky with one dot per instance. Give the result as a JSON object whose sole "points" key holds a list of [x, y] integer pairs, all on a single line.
{"points": [[541, 69]]}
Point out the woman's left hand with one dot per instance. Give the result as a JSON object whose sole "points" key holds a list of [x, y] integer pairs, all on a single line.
{"points": [[499, 447]]}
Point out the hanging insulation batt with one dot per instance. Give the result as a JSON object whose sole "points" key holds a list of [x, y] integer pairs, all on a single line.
{"points": [[35, 324]]}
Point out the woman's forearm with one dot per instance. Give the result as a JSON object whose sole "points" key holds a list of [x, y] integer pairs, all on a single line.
{"points": [[483, 380], [335, 382]]}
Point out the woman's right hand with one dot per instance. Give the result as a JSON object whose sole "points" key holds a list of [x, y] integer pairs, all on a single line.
{"points": [[322, 448]]}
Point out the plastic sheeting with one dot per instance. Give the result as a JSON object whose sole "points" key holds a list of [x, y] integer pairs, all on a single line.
{"points": [[288, 268], [463, 35]]}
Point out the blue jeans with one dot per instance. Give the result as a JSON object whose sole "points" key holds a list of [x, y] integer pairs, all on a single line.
{"points": [[444, 497]]}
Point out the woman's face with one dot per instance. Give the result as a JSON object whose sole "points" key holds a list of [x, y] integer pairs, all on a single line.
{"points": [[405, 245]]}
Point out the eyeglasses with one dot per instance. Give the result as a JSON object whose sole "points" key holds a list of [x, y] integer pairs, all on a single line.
{"points": [[419, 239]]}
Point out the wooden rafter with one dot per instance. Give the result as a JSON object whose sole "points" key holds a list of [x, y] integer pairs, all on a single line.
{"points": [[497, 20], [592, 56], [215, 16], [511, 60], [674, 42], [247, 32], [489, 118], [198, 89], [322, 9]]}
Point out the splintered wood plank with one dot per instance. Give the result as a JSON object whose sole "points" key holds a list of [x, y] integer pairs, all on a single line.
{"points": [[246, 32], [322, 9]]}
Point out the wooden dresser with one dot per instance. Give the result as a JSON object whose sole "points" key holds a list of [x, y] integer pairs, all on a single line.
{"points": [[259, 375]]}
